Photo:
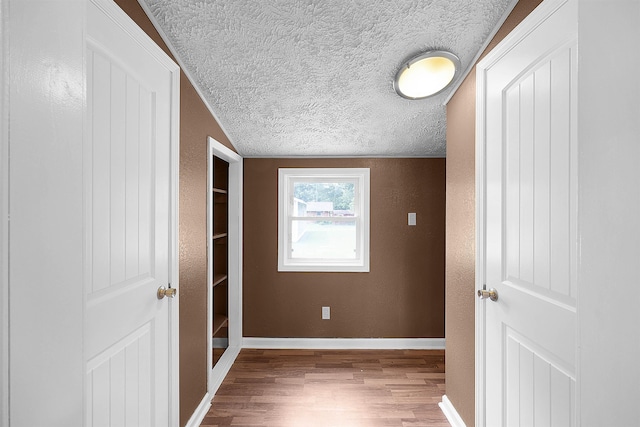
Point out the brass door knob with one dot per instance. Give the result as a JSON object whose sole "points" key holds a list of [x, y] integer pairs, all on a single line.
{"points": [[166, 292], [491, 294]]}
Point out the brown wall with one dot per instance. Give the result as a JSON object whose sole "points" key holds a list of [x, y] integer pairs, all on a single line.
{"points": [[402, 296], [196, 123], [460, 234]]}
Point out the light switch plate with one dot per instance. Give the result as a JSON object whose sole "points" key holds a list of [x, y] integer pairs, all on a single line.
{"points": [[412, 218], [326, 313]]}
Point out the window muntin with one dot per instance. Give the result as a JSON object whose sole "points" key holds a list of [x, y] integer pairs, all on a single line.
{"points": [[323, 219]]}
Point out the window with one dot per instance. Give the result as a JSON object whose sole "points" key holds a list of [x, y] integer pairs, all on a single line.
{"points": [[323, 219]]}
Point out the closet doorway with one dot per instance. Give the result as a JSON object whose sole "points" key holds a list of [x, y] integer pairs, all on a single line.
{"points": [[224, 246]]}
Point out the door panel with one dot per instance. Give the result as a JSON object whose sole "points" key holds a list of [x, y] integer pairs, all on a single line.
{"points": [[538, 390], [122, 124], [537, 164], [117, 375], [530, 215], [127, 203]]}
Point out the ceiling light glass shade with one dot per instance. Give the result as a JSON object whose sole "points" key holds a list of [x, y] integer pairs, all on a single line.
{"points": [[426, 74]]}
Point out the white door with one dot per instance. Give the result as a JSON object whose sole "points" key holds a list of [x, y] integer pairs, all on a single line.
{"points": [[131, 89], [527, 223]]}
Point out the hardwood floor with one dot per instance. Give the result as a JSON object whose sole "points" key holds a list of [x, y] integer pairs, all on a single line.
{"points": [[331, 388]]}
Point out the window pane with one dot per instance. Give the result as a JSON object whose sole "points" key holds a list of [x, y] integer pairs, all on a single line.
{"points": [[323, 239], [324, 199]]}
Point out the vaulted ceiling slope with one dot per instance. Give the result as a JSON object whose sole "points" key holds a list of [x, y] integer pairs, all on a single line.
{"points": [[315, 77]]}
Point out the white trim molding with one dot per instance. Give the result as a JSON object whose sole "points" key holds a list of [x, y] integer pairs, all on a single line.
{"points": [[288, 214], [174, 308], [345, 343], [215, 380], [200, 412], [223, 365], [450, 412], [479, 244]]}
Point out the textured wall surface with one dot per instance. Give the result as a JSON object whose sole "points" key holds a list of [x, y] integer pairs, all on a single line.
{"points": [[196, 123], [294, 77], [460, 234], [401, 296]]}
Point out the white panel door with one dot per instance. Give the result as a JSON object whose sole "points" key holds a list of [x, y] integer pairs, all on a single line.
{"points": [[528, 131], [127, 163]]}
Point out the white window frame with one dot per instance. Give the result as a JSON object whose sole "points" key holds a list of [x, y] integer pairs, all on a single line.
{"points": [[286, 179]]}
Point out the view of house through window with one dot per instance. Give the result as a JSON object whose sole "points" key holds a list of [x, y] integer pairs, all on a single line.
{"points": [[324, 219], [326, 234]]}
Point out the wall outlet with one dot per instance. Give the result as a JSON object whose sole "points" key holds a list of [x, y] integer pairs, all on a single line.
{"points": [[326, 313]]}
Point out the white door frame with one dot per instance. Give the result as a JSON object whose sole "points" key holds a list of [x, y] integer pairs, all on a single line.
{"points": [[174, 239], [4, 225], [216, 375], [540, 14], [215, 148], [480, 308]]}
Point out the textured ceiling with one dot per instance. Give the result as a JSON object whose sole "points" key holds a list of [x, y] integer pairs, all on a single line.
{"points": [[315, 77]]}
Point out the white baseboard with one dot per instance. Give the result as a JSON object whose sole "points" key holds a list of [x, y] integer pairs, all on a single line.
{"points": [[222, 368], [346, 343], [450, 412], [216, 376], [200, 412]]}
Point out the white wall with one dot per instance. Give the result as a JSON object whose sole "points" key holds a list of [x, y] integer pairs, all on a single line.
{"points": [[609, 169], [45, 125]]}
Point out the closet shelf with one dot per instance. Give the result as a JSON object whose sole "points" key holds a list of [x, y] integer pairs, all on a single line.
{"points": [[218, 279], [219, 321], [218, 223]]}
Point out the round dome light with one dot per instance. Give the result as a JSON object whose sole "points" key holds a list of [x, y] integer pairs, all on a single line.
{"points": [[426, 74]]}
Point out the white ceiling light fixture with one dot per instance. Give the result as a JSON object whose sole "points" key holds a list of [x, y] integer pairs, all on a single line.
{"points": [[426, 74]]}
